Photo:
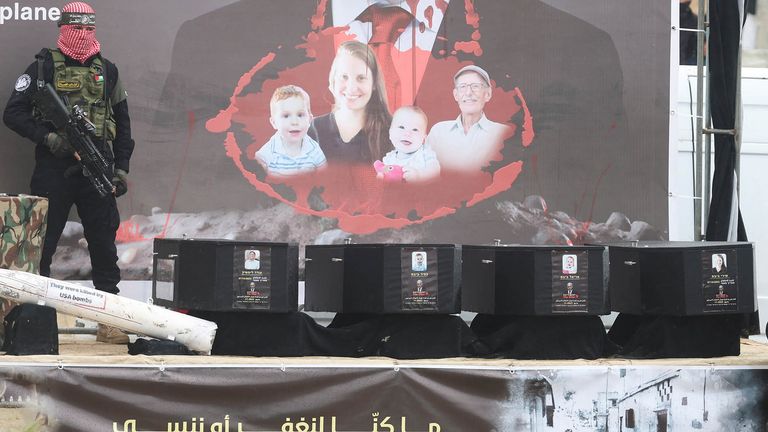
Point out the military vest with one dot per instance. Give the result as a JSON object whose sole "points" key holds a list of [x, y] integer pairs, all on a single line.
{"points": [[85, 86]]}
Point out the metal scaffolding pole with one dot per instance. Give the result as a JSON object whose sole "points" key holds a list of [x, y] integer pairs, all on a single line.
{"points": [[699, 204]]}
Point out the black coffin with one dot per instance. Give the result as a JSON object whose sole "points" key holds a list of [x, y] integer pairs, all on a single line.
{"points": [[535, 280], [682, 278], [383, 278], [225, 275]]}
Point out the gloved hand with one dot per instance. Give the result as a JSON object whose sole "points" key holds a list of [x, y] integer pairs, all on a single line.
{"points": [[58, 145], [120, 180]]}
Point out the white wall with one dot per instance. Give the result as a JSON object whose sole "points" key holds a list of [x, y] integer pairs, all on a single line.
{"points": [[754, 169]]}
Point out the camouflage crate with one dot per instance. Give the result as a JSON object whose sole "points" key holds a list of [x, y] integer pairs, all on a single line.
{"points": [[22, 230]]}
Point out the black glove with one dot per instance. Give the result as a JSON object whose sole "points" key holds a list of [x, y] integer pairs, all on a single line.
{"points": [[58, 145], [120, 181]]}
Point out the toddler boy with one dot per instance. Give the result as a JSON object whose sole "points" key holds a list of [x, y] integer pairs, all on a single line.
{"points": [[290, 151]]}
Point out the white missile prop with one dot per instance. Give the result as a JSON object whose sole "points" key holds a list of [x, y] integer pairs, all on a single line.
{"points": [[121, 312]]}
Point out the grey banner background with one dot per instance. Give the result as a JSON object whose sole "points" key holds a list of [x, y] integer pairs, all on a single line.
{"points": [[618, 167]]}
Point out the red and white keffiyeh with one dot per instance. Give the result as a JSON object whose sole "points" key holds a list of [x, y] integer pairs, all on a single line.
{"points": [[78, 41]]}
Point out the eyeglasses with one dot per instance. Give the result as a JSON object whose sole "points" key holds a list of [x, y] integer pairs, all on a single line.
{"points": [[475, 87]]}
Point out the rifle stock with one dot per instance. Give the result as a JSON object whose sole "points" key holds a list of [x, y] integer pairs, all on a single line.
{"points": [[78, 131]]}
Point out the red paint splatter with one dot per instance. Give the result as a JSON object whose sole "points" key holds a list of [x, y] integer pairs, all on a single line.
{"points": [[528, 132], [442, 5], [182, 168], [413, 4], [351, 194], [317, 21], [502, 181], [129, 231], [470, 47], [429, 15], [473, 18], [222, 121], [594, 196]]}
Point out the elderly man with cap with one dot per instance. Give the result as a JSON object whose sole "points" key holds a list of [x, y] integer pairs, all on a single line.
{"points": [[471, 142], [77, 70]]}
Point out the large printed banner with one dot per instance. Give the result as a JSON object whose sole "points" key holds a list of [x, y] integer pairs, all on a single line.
{"points": [[338, 398], [452, 121]]}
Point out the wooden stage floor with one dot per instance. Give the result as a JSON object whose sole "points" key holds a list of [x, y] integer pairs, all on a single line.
{"points": [[82, 351]]}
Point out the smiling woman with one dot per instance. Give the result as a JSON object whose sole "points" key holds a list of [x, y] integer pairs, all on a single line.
{"points": [[356, 129]]}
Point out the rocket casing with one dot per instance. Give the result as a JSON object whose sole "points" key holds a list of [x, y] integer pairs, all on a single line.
{"points": [[121, 312]]}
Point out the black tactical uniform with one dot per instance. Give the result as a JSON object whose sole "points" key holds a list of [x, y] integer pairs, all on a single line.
{"points": [[57, 177]]}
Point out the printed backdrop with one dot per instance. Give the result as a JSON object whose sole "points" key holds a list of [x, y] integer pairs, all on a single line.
{"points": [[582, 88], [338, 398]]}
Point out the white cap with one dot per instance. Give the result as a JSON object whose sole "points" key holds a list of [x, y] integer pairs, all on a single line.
{"points": [[476, 69]]}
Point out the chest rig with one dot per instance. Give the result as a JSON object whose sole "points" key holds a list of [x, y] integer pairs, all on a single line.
{"points": [[85, 86]]}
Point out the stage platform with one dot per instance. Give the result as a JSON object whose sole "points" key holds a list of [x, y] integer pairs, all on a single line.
{"points": [[84, 350], [92, 386]]}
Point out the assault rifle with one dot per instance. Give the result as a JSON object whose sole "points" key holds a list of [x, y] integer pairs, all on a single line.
{"points": [[78, 131]]}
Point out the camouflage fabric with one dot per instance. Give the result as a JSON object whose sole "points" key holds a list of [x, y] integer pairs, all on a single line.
{"points": [[22, 230]]}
